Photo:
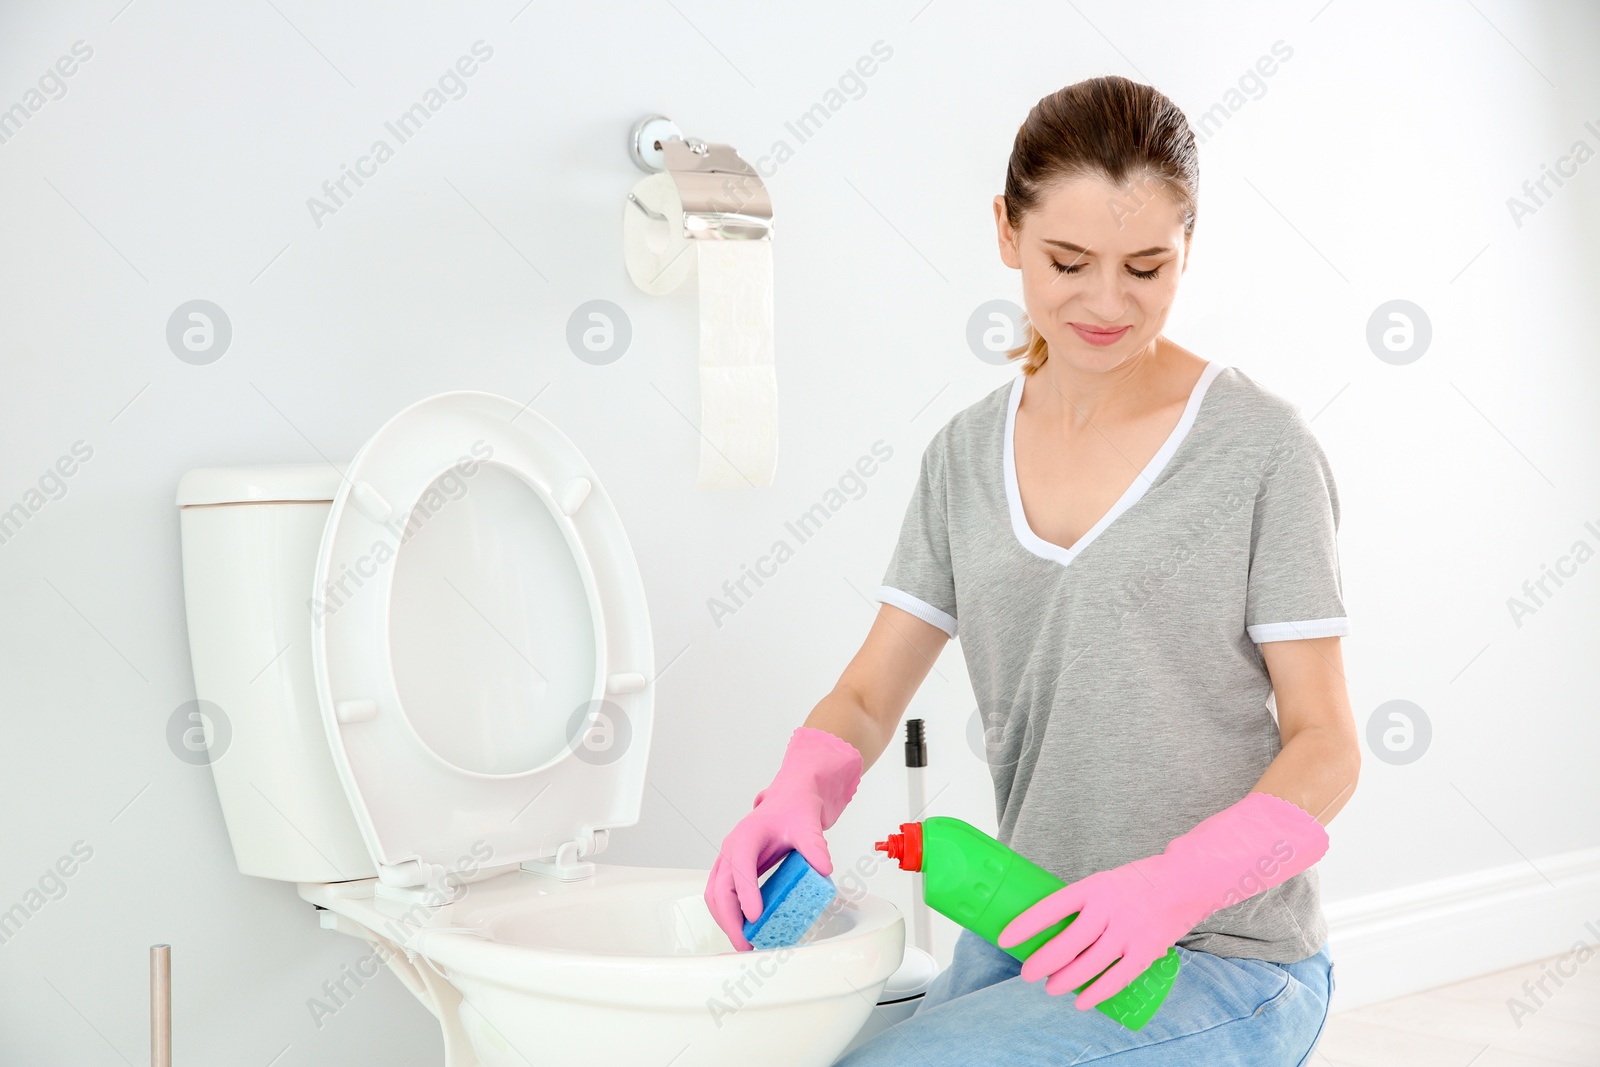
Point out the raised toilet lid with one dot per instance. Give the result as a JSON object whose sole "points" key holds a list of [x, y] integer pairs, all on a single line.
{"points": [[481, 643]]}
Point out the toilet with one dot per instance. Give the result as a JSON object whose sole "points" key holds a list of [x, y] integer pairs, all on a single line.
{"points": [[428, 686]]}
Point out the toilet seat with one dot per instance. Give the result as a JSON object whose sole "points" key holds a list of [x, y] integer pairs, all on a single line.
{"points": [[481, 647]]}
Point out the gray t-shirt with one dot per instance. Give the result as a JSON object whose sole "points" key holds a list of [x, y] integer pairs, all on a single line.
{"points": [[1122, 692]]}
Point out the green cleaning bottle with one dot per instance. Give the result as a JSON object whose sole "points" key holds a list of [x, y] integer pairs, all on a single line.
{"points": [[978, 882]]}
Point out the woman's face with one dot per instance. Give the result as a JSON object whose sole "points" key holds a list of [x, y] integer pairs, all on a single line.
{"points": [[1100, 267]]}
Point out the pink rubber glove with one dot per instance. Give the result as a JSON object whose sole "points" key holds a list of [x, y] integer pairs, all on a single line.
{"points": [[818, 777], [1139, 910]]}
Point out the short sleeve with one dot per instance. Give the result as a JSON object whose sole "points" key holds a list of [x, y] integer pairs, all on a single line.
{"points": [[1294, 590], [919, 579]]}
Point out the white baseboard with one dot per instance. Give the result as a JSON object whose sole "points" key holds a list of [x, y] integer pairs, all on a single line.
{"points": [[1406, 940]]}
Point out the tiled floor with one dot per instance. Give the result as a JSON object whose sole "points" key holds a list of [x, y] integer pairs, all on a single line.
{"points": [[1472, 1024]]}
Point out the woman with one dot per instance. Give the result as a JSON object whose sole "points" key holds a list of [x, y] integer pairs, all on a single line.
{"points": [[1139, 546]]}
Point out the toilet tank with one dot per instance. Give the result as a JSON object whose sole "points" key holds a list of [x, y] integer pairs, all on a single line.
{"points": [[250, 538]]}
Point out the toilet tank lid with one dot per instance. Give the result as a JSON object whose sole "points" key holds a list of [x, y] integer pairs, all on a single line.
{"points": [[247, 485]]}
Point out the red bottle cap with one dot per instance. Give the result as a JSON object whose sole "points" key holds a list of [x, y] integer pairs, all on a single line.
{"points": [[906, 846]]}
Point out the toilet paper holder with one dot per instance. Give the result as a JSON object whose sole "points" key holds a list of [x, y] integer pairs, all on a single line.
{"points": [[723, 197]]}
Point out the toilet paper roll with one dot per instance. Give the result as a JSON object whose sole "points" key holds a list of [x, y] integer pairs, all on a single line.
{"points": [[658, 256], [738, 384], [738, 380]]}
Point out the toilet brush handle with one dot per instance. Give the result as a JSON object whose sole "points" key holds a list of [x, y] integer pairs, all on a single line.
{"points": [[160, 1006], [917, 796]]}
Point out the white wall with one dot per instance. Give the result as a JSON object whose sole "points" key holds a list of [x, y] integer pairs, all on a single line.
{"points": [[1373, 164]]}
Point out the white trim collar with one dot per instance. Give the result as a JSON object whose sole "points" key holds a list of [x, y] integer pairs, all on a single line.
{"points": [[1019, 521]]}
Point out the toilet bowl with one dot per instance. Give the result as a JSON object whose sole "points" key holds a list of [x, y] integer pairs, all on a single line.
{"points": [[428, 687], [624, 967]]}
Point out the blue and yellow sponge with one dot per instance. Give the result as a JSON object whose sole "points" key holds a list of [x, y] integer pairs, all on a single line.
{"points": [[793, 897]]}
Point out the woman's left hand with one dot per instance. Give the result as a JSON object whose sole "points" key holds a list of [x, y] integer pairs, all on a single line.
{"points": [[1135, 912]]}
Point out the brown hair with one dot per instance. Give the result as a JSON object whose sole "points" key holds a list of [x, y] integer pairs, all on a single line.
{"points": [[1108, 127]]}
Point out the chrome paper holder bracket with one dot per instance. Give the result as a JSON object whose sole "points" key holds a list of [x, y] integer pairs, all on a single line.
{"points": [[724, 199]]}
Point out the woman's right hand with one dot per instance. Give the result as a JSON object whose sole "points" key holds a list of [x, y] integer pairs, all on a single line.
{"points": [[819, 775]]}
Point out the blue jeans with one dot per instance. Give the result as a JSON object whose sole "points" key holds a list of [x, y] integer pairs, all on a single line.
{"points": [[1221, 1011]]}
